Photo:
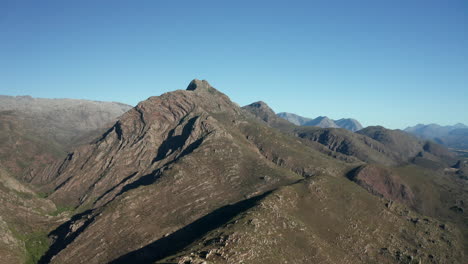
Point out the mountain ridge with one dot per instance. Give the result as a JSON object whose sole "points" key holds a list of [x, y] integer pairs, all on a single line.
{"points": [[453, 136], [322, 121], [191, 177]]}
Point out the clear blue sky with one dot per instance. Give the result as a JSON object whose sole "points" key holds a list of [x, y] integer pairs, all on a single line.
{"points": [[392, 63]]}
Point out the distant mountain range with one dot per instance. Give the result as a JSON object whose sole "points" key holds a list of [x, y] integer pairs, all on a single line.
{"points": [[322, 121], [455, 136]]}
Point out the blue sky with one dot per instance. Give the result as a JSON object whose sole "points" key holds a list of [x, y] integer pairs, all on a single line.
{"points": [[390, 63]]}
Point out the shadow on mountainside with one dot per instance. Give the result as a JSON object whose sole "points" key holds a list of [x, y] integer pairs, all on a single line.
{"points": [[173, 243], [63, 235]]}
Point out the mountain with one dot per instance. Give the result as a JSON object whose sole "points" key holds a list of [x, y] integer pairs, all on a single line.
{"points": [[371, 145], [64, 120], [190, 177], [322, 121], [455, 136], [409, 170], [295, 119], [349, 124], [35, 133], [38, 131]]}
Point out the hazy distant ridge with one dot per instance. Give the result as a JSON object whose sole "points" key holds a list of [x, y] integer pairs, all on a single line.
{"points": [[322, 121], [455, 136]]}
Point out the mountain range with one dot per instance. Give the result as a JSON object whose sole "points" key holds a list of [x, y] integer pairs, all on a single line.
{"points": [[322, 121], [455, 136], [191, 177]]}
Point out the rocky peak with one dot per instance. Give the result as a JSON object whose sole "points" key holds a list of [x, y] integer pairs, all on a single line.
{"points": [[261, 105], [261, 110], [196, 84]]}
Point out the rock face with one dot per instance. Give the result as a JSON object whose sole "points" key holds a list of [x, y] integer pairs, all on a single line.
{"points": [[322, 121]]}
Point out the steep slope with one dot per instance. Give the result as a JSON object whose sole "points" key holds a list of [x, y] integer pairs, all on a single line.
{"points": [[174, 158], [25, 220], [33, 134], [262, 111], [325, 220], [184, 172]]}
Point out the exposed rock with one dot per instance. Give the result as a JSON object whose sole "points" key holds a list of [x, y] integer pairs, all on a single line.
{"points": [[382, 182]]}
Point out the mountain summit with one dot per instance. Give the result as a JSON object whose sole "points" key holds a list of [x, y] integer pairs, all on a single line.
{"points": [[198, 85]]}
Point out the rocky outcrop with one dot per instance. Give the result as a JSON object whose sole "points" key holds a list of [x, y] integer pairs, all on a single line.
{"points": [[382, 182]]}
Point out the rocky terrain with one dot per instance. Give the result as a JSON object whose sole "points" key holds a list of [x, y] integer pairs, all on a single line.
{"points": [[322, 121], [35, 133], [190, 177]]}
